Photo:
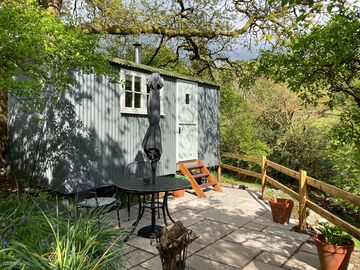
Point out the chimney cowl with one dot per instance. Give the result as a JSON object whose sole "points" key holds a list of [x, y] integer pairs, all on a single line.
{"points": [[137, 52]]}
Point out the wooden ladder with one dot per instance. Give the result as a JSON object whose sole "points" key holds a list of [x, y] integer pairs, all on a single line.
{"points": [[199, 176]]}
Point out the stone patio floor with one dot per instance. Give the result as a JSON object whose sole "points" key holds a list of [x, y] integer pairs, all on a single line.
{"points": [[236, 232]]}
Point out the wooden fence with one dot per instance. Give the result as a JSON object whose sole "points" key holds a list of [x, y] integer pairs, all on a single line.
{"points": [[302, 195]]}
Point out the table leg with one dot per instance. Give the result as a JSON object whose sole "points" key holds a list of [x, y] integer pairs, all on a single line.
{"points": [[147, 231], [163, 208], [166, 207]]}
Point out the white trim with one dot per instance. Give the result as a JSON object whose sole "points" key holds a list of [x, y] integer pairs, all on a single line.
{"points": [[142, 109], [143, 103], [176, 122]]}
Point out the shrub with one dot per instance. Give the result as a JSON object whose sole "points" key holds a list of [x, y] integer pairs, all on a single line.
{"points": [[32, 238]]}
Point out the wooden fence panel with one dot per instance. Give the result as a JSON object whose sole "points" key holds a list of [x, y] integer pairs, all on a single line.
{"points": [[337, 192], [283, 169], [242, 171], [282, 187], [241, 157]]}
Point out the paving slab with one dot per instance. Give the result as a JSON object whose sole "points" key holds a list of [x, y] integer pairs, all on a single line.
{"points": [[187, 216], [138, 268], [143, 244], [232, 216], [267, 221], [153, 263], [290, 234], [136, 257], [310, 248], [210, 231], [264, 241], [229, 253], [303, 260], [271, 258], [256, 265], [254, 226], [196, 262]]}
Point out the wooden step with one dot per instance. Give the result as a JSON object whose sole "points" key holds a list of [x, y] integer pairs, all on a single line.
{"points": [[200, 175], [187, 161], [192, 167], [185, 168]]}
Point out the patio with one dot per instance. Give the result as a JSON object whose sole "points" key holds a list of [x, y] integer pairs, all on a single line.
{"points": [[236, 232]]}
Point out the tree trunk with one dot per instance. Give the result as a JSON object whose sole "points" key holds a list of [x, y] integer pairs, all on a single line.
{"points": [[53, 6], [3, 125]]}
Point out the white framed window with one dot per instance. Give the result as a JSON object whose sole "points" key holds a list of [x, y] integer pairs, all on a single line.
{"points": [[134, 93]]}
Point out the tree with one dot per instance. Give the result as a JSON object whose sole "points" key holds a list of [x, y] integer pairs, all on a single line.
{"points": [[324, 62], [38, 51], [205, 32], [323, 66]]}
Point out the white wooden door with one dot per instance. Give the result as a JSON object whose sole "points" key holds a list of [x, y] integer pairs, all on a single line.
{"points": [[186, 120]]}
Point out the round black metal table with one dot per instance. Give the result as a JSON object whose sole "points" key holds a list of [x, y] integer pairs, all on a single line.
{"points": [[162, 184]]}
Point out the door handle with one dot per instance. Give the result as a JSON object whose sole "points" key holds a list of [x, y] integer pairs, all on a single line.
{"points": [[180, 129]]}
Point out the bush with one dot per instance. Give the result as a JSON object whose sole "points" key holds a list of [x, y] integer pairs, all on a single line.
{"points": [[32, 238]]}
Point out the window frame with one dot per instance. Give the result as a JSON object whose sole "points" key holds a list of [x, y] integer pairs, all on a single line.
{"points": [[143, 92]]}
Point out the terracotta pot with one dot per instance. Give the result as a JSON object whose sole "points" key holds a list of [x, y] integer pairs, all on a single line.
{"points": [[333, 257], [179, 193], [281, 209]]}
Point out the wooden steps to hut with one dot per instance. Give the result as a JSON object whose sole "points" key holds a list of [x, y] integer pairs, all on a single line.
{"points": [[199, 176]]}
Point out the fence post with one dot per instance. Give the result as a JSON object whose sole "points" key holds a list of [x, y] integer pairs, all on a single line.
{"points": [[302, 200], [263, 177], [219, 173]]}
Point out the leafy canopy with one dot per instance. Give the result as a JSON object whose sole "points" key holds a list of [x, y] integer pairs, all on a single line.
{"points": [[323, 62], [39, 50]]}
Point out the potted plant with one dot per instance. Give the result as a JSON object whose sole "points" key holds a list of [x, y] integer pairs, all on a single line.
{"points": [[281, 209], [334, 247], [181, 192]]}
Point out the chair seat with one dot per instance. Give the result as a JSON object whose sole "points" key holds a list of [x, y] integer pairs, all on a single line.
{"points": [[92, 203]]}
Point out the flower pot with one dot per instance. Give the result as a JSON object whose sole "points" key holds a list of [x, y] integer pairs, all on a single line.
{"points": [[179, 193], [333, 257], [281, 209]]}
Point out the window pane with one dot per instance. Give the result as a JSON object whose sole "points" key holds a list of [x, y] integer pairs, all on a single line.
{"points": [[128, 79], [187, 98], [137, 100], [137, 84], [128, 99]]}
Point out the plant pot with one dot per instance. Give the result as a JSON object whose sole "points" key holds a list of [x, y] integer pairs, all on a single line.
{"points": [[179, 193], [333, 257], [281, 209]]}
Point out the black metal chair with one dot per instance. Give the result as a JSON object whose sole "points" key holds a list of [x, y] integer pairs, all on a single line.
{"points": [[84, 187], [139, 171]]}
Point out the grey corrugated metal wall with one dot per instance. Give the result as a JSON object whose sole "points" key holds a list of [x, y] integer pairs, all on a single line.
{"points": [[209, 124], [86, 127]]}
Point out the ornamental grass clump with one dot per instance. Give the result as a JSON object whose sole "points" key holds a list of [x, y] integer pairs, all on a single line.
{"points": [[32, 238]]}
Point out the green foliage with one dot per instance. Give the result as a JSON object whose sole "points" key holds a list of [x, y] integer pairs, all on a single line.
{"points": [[32, 238], [320, 63], [333, 235], [239, 133], [39, 51]]}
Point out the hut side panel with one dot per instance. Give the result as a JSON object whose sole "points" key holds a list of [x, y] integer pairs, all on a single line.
{"points": [[118, 136], [86, 128], [209, 124]]}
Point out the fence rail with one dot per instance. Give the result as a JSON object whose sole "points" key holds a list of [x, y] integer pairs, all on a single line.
{"points": [[302, 195]]}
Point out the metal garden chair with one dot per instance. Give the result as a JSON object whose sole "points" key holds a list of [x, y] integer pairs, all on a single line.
{"points": [[84, 187]]}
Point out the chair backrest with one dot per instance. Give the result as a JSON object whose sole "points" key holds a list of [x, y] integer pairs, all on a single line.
{"points": [[81, 183], [138, 170]]}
